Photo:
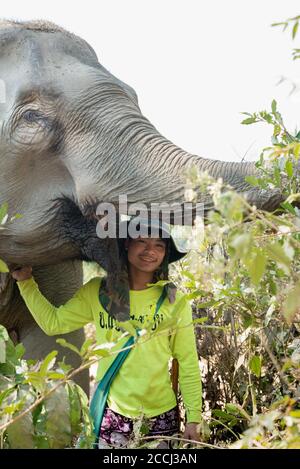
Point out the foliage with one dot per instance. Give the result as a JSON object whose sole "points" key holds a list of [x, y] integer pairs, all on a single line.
{"points": [[245, 283], [278, 428], [294, 23], [40, 407], [245, 287]]}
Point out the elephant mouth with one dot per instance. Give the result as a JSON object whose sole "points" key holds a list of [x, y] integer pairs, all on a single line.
{"points": [[75, 224], [78, 226]]}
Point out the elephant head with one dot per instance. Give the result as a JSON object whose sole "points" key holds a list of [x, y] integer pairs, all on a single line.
{"points": [[73, 135]]}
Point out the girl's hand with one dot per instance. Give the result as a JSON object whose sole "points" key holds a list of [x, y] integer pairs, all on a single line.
{"points": [[191, 432], [23, 273]]}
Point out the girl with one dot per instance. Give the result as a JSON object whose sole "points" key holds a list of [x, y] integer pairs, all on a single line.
{"points": [[142, 385]]}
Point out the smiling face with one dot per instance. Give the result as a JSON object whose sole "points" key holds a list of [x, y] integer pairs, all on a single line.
{"points": [[146, 254]]}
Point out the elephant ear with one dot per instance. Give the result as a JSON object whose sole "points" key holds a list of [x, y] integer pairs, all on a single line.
{"points": [[6, 288]]}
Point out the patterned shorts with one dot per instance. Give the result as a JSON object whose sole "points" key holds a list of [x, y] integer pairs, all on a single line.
{"points": [[116, 429]]}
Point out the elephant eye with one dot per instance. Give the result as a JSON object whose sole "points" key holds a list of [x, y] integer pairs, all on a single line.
{"points": [[32, 116]]}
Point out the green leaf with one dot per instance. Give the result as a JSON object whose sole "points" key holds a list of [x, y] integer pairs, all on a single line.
{"points": [[207, 304], [267, 117], [223, 416], [241, 244], [188, 274], [256, 266], [291, 304], [295, 29], [65, 367], [75, 408], [269, 314], [249, 120], [4, 394], [277, 176], [252, 180], [36, 380], [237, 410], [277, 130], [289, 168], [274, 106], [3, 267], [20, 433], [85, 346], [3, 340], [3, 333], [200, 320], [2, 350], [276, 252], [255, 365], [48, 362], [16, 216], [282, 23], [3, 211], [11, 356], [194, 294], [99, 352], [273, 287], [55, 375], [288, 207], [66, 344], [278, 117], [58, 425], [293, 198], [20, 350]]}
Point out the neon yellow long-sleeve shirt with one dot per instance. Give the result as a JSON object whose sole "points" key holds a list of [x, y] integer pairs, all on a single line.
{"points": [[142, 384]]}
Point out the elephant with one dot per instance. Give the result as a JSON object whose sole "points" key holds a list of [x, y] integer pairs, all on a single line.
{"points": [[73, 135]]}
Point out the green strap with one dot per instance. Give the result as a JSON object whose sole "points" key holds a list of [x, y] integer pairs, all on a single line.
{"points": [[99, 399]]}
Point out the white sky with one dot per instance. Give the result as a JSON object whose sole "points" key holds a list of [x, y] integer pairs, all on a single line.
{"points": [[195, 64]]}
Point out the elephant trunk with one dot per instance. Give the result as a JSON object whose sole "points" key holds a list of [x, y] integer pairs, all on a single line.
{"points": [[148, 168]]}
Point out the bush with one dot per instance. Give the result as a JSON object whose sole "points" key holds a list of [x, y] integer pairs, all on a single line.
{"points": [[40, 407], [245, 284]]}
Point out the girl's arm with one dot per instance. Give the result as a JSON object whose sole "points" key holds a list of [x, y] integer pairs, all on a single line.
{"points": [[66, 318], [183, 344]]}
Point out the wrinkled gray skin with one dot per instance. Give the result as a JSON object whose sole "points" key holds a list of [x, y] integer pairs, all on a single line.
{"points": [[72, 131]]}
